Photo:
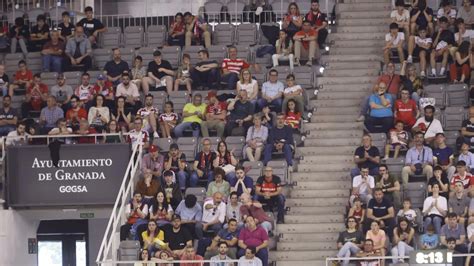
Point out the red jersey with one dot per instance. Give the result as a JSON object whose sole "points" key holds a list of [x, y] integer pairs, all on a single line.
{"points": [[107, 90], [165, 117], [406, 112], [216, 109], [234, 66], [266, 186], [36, 96], [292, 119], [467, 181], [81, 114], [85, 139], [310, 33], [28, 75], [393, 83]]}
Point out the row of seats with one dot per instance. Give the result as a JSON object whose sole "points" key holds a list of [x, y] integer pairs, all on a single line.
{"points": [[448, 95], [54, 13]]}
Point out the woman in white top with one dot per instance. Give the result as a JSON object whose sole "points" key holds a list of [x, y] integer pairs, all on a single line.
{"points": [[284, 50], [434, 210], [256, 139], [248, 84], [99, 115], [293, 91]]}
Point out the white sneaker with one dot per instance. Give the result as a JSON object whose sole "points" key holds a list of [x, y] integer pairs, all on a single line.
{"points": [[361, 118], [422, 74], [441, 72], [155, 135], [433, 72], [410, 59], [297, 62]]}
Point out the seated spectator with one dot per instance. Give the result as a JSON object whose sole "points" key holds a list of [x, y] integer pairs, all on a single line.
{"points": [[306, 41], [272, 92], [18, 136], [19, 34], [177, 31], [378, 236], [99, 115], [421, 16], [406, 109], [22, 80], [293, 21], [460, 70], [130, 92], [183, 74], [255, 210], [241, 183], [92, 26], [66, 28], [357, 211], [62, 129], [380, 119], [240, 117], [293, 91], [380, 209], [36, 97], [79, 51], [135, 212], [284, 45], [428, 125], [280, 139], [463, 176], [367, 252], [411, 81], [206, 72], [50, 115], [149, 114], [138, 71], [394, 40], [231, 68], [222, 256], [453, 229], [467, 156], [4, 80], [401, 17], [175, 161], [366, 156], [112, 128], [429, 240], [442, 42], [453, 248], [253, 236], [53, 52], [114, 69], [467, 128], [418, 160], [292, 116], [153, 161], [8, 117], [420, 46], [203, 164], [122, 115], [197, 31], [153, 238], [178, 237], [446, 10], [268, 190], [441, 180], [466, 13], [167, 120], [75, 113], [84, 130], [213, 215], [249, 258], [160, 74], [193, 115], [190, 254], [391, 79], [137, 132], [398, 140], [362, 186], [215, 116], [63, 92], [256, 139], [226, 160], [191, 213], [105, 88], [233, 210], [318, 21], [458, 202], [403, 243], [85, 91], [247, 83], [219, 185], [434, 210], [408, 213], [171, 189], [39, 34], [267, 117], [160, 210], [349, 241], [463, 34], [227, 235], [444, 155], [164, 256], [389, 185]]}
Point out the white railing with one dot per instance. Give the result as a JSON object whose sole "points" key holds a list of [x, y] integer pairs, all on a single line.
{"points": [[379, 259]]}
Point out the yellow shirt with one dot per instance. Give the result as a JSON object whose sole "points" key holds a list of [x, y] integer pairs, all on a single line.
{"points": [[159, 238], [191, 108]]}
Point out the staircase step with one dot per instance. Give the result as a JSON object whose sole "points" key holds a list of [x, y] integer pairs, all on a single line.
{"points": [[343, 22], [334, 118], [327, 159], [317, 150], [351, 58], [352, 65], [307, 256], [367, 1], [323, 237], [333, 126], [345, 80], [362, 14], [302, 202], [306, 246], [302, 167], [317, 210], [357, 72], [328, 94], [334, 134], [365, 88], [333, 142], [334, 103], [319, 262], [314, 194], [382, 7], [346, 110], [374, 28], [336, 176]]}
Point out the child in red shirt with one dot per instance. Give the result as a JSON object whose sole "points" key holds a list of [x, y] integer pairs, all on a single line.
{"points": [[292, 117]]}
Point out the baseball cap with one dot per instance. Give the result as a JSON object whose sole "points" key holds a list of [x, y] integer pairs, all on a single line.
{"points": [[100, 77], [174, 146], [153, 148], [211, 94]]}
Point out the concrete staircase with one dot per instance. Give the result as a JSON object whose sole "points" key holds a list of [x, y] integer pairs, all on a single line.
{"points": [[317, 201]]}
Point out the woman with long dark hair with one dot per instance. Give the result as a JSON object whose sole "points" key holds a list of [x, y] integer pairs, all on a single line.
{"points": [[293, 20], [225, 159], [284, 49], [402, 239], [460, 69]]}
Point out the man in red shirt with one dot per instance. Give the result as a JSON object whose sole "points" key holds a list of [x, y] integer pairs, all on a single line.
{"points": [[406, 109], [216, 113], [76, 113], [463, 176], [318, 21], [231, 68], [391, 79], [305, 42], [23, 78], [36, 96], [269, 191]]}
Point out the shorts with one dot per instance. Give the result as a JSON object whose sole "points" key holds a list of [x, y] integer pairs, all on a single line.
{"points": [[152, 82], [402, 146], [418, 49]]}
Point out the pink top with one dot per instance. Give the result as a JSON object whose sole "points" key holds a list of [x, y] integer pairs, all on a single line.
{"points": [[379, 238]]}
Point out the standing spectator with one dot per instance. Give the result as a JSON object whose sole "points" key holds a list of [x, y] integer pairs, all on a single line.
{"points": [[130, 91], [466, 12], [92, 26], [406, 109], [444, 156], [389, 185], [428, 125], [153, 161], [240, 117], [402, 240], [79, 51], [253, 236], [206, 72], [272, 92], [53, 52], [171, 189], [75, 113], [435, 208], [203, 164], [467, 128], [306, 43], [177, 31], [175, 161], [247, 83], [349, 241], [380, 209], [269, 191], [401, 16], [421, 16], [284, 48], [50, 115], [459, 202], [191, 212], [249, 258], [378, 237], [193, 115], [8, 117], [18, 136], [149, 114], [318, 21], [362, 186], [367, 156], [398, 140], [380, 119], [66, 28], [178, 237], [256, 139], [196, 31], [241, 183], [138, 71], [213, 215], [280, 139], [231, 68], [461, 64], [19, 34], [183, 74], [85, 91], [418, 160], [225, 159], [114, 69], [255, 209], [160, 74], [215, 114], [293, 91], [393, 40], [39, 34], [219, 185], [420, 45], [36, 96], [22, 79], [134, 134], [167, 120], [411, 81], [136, 212], [453, 229], [293, 20], [391, 79], [443, 41], [99, 115], [463, 176]]}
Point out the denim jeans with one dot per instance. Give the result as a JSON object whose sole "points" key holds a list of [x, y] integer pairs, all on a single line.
{"points": [[4, 130], [194, 178], [275, 105], [231, 80], [179, 129], [52, 63], [435, 220], [347, 250], [278, 201], [401, 249], [269, 148]]}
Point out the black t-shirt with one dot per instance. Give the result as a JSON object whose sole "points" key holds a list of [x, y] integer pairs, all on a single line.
{"points": [[177, 241], [205, 161], [35, 29], [433, 181], [380, 209], [175, 163], [153, 68], [447, 36], [5, 78], [66, 30], [10, 115], [90, 26], [386, 184], [355, 237], [373, 152], [113, 69], [468, 125], [201, 63], [421, 20], [23, 32], [241, 110]]}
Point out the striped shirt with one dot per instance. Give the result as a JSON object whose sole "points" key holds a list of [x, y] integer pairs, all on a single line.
{"points": [[234, 66]]}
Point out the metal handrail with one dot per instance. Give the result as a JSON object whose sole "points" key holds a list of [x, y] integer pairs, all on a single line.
{"points": [[379, 258]]}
